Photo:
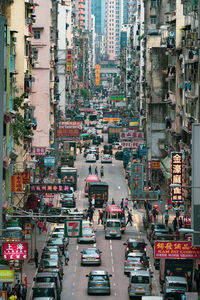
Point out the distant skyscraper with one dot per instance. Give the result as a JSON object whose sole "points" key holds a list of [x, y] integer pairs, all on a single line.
{"points": [[129, 8], [114, 18], [88, 15], [98, 10]]}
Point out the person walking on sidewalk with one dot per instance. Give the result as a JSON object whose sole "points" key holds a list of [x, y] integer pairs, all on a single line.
{"points": [[113, 201], [180, 222], [102, 171], [96, 171], [174, 224], [36, 254], [18, 289], [24, 292], [166, 219], [129, 219], [122, 203], [66, 254], [126, 204]]}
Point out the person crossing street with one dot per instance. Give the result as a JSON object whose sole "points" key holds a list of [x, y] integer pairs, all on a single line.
{"points": [[129, 219]]}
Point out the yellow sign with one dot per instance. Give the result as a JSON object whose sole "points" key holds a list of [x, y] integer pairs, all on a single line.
{"points": [[97, 74], [155, 165], [7, 275]]}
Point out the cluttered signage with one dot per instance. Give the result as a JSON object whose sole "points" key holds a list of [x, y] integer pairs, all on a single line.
{"points": [[136, 135], [25, 177], [49, 161], [132, 122], [176, 250], [111, 117], [16, 183], [69, 60], [68, 132], [132, 145], [73, 228], [137, 184], [70, 124], [49, 188], [15, 250], [97, 74], [177, 178]]}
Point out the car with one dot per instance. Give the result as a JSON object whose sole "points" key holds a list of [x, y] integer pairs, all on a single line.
{"points": [[59, 228], [135, 260], [68, 201], [50, 255], [44, 290], [69, 194], [91, 256], [57, 242], [90, 157], [154, 226], [106, 158], [88, 236], [136, 245], [161, 236], [139, 283], [98, 282], [60, 234], [119, 155], [49, 277], [117, 145], [47, 264]]}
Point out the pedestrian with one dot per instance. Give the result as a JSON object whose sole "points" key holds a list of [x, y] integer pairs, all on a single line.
{"points": [[166, 219], [18, 289], [104, 205], [40, 226], [174, 224], [197, 279], [180, 222], [100, 219], [91, 212], [24, 292], [36, 254], [135, 204], [93, 202], [66, 254], [113, 201], [155, 213], [90, 169], [96, 171], [129, 219], [102, 171], [159, 193], [177, 214], [126, 203], [145, 204], [13, 296], [122, 203]]}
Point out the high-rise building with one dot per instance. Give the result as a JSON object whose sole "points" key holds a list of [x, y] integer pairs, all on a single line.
{"points": [[88, 15], [129, 8], [98, 10], [114, 17]]}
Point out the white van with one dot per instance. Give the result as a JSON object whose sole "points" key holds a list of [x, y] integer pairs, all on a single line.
{"points": [[113, 228], [139, 283]]}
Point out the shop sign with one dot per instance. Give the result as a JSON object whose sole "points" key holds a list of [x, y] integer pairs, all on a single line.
{"points": [[136, 135], [16, 183], [73, 228], [117, 97], [15, 250], [186, 220], [149, 167], [137, 184], [3, 295], [49, 161], [155, 165], [176, 250], [177, 178], [69, 60], [130, 145], [49, 188], [7, 276], [97, 74], [28, 230], [70, 124], [40, 151], [25, 177], [127, 121], [111, 117], [68, 132]]}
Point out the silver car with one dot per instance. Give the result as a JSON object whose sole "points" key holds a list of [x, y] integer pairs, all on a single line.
{"points": [[91, 256], [98, 282], [106, 158], [88, 236]]}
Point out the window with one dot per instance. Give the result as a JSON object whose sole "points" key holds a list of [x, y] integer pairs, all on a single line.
{"points": [[36, 34], [153, 3], [35, 53], [153, 19]]}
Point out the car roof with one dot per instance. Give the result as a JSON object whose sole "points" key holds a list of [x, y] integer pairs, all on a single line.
{"points": [[90, 249], [140, 272], [176, 279], [113, 220], [47, 274], [132, 240], [44, 284], [98, 272], [135, 254]]}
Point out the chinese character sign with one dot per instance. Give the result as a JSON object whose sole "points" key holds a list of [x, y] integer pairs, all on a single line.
{"points": [[16, 183], [40, 151], [177, 178], [15, 250], [137, 184], [175, 249], [50, 188], [97, 74], [73, 228]]}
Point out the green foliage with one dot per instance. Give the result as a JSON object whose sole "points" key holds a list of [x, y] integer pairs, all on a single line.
{"points": [[85, 93]]}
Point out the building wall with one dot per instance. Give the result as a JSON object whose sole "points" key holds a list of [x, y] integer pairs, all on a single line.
{"points": [[41, 87]]}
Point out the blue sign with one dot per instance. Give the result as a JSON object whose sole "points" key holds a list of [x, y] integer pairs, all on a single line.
{"points": [[137, 184], [49, 161], [142, 149]]}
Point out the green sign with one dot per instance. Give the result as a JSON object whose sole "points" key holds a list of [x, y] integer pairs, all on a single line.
{"points": [[7, 275], [12, 223], [117, 98], [73, 228]]}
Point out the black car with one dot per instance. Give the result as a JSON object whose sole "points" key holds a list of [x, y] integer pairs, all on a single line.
{"points": [[135, 245], [119, 155], [68, 201]]}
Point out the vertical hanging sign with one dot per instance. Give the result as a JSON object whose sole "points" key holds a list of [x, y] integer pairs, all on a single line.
{"points": [[97, 74], [177, 178]]}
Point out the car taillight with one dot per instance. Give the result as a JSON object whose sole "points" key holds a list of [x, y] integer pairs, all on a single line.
{"points": [[129, 286], [150, 286], [125, 261], [93, 235], [82, 256], [41, 269], [145, 249], [127, 249], [142, 261], [98, 257]]}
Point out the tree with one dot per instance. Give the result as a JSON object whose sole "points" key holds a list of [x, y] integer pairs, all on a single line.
{"points": [[85, 93]]}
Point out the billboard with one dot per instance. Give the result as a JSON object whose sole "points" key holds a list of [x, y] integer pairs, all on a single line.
{"points": [[15, 250], [116, 97], [97, 74], [130, 134], [68, 132], [69, 60], [176, 250], [16, 183], [73, 228], [177, 178], [49, 188]]}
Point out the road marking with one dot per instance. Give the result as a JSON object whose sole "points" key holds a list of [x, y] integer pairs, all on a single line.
{"points": [[113, 270]]}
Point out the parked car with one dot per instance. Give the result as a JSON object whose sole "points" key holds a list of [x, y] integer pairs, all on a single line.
{"points": [[136, 245], [47, 265], [68, 201], [88, 236], [57, 242], [98, 282], [91, 256], [119, 155], [135, 260], [106, 158], [45, 291], [50, 255], [50, 277], [91, 157], [154, 226], [59, 228], [139, 283]]}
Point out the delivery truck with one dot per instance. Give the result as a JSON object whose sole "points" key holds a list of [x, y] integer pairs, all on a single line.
{"points": [[69, 174]]}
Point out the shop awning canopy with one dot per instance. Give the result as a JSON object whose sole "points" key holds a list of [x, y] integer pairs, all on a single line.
{"points": [[165, 166]]}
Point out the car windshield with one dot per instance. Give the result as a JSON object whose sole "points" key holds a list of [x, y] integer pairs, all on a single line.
{"points": [[113, 224], [43, 292], [90, 251], [45, 279], [99, 277], [49, 263], [140, 279], [55, 242], [87, 231], [178, 284], [132, 258], [137, 245]]}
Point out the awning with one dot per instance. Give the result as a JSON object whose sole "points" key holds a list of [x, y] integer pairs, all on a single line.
{"points": [[165, 166]]}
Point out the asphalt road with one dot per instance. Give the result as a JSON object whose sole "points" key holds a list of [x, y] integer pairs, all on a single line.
{"points": [[75, 281]]}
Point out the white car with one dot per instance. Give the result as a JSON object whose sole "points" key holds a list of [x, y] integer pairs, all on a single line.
{"points": [[88, 236], [99, 126], [106, 158], [117, 145], [91, 157]]}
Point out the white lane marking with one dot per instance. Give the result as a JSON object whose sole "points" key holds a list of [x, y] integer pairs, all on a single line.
{"points": [[111, 253], [77, 247], [73, 283], [113, 270]]}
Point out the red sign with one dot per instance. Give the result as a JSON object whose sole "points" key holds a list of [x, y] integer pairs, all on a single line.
{"points": [[177, 178], [155, 165], [176, 250], [25, 177], [16, 183], [15, 250], [131, 135], [40, 151], [67, 132], [86, 109]]}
